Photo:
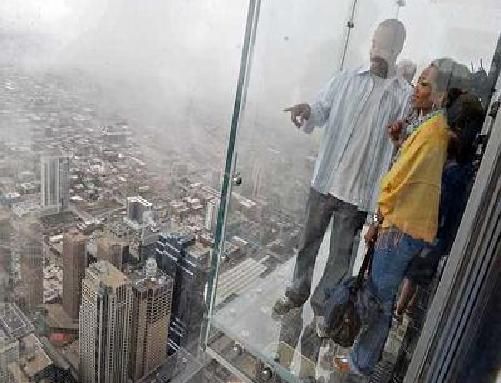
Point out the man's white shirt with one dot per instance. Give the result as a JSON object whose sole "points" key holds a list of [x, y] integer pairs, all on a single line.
{"points": [[354, 109]]}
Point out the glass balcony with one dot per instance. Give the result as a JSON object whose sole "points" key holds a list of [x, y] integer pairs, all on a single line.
{"points": [[293, 50]]}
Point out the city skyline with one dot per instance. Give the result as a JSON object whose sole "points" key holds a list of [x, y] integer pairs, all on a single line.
{"points": [[123, 128]]}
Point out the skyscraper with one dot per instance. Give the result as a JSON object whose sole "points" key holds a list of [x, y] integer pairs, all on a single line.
{"points": [[104, 327], [137, 207], [186, 261], [151, 310], [27, 249], [211, 211], [74, 264], [55, 182], [5, 252]]}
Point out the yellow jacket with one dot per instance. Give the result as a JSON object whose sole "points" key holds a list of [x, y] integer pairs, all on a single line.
{"points": [[410, 192]]}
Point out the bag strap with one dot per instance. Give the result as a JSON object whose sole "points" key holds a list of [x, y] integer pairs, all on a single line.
{"points": [[365, 265]]}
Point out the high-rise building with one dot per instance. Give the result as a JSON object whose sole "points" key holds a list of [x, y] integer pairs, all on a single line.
{"points": [[5, 253], [186, 261], [55, 182], [211, 211], [151, 310], [138, 209], [74, 264], [104, 327], [27, 250], [143, 245]]}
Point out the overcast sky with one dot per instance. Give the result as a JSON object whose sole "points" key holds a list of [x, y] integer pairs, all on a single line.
{"points": [[188, 51], [170, 66]]}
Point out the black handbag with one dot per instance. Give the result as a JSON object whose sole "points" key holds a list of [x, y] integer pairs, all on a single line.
{"points": [[342, 318]]}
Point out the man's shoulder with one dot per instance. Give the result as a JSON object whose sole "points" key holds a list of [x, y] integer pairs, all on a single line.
{"points": [[350, 73]]}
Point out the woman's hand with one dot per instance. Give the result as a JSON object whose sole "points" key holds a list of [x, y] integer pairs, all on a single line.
{"points": [[395, 132]]}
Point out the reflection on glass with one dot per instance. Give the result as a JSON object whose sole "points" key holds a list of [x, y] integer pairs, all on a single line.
{"points": [[112, 134], [395, 151]]}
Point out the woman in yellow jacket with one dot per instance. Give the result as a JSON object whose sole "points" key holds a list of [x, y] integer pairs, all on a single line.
{"points": [[408, 211]]}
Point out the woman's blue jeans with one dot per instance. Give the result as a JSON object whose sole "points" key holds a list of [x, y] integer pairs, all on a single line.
{"points": [[392, 254]]}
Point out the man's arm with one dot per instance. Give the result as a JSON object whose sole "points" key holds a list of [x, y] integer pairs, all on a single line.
{"points": [[307, 116]]}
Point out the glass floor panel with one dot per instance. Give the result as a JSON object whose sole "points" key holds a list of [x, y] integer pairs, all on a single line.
{"points": [[287, 345], [246, 295]]}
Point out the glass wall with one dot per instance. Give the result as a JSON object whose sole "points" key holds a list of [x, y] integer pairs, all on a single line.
{"points": [[114, 116], [301, 204]]}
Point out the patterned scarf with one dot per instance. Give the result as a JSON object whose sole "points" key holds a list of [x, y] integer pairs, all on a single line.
{"points": [[414, 121]]}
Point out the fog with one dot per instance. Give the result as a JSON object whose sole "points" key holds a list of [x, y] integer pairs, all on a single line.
{"points": [[170, 67]]}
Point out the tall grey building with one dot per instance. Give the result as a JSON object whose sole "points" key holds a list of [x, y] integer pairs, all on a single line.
{"points": [[5, 252], [55, 182], [74, 264], [104, 327], [27, 250], [211, 211]]}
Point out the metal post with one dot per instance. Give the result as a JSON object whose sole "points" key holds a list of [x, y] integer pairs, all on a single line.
{"points": [[225, 196], [350, 25]]}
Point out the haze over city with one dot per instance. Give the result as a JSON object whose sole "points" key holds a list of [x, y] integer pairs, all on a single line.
{"points": [[114, 125]]}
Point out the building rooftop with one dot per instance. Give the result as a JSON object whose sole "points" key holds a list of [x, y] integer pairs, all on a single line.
{"points": [[73, 234], [58, 319], [5, 340], [108, 274], [35, 358], [13, 322], [198, 250], [140, 200], [33, 361], [149, 277]]}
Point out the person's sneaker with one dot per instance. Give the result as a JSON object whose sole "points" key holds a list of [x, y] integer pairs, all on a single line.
{"points": [[283, 305], [342, 366]]}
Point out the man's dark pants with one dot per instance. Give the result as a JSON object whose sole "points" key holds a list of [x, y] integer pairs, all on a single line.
{"points": [[347, 221]]}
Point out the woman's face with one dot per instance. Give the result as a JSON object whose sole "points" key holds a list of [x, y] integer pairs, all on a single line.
{"points": [[424, 96]]}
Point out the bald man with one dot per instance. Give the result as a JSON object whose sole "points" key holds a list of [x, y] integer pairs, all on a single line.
{"points": [[353, 110]]}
